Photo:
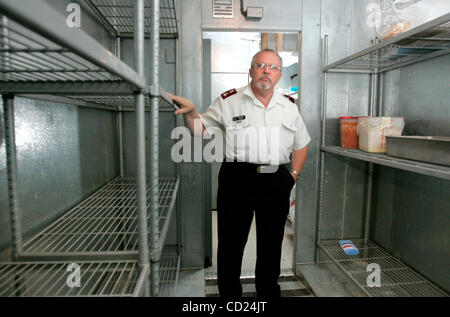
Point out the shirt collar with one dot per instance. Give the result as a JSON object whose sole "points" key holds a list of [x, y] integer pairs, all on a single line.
{"points": [[276, 98]]}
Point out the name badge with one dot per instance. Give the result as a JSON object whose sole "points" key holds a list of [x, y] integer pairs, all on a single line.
{"points": [[239, 118]]}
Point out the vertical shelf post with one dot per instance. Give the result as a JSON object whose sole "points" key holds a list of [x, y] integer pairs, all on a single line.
{"points": [[154, 146], [372, 112], [11, 167], [141, 175], [322, 143]]}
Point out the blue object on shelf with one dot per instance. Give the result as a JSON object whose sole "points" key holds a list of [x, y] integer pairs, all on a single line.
{"points": [[348, 247], [293, 88]]}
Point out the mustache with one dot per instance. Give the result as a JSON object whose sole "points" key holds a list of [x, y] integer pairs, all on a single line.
{"points": [[266, 77]]}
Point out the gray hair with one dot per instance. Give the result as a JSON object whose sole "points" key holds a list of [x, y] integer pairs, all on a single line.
{"points": [[266, 50]]}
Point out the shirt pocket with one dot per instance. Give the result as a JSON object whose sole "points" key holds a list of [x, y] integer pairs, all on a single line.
{"points": [[238, 138], [287, 135]]}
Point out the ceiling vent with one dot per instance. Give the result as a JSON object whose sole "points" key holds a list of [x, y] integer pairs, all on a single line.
{"points": [[223, 9]]}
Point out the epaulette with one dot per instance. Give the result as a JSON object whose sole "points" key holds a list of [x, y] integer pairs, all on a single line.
{"points": [[290, 98], [228, 93]]}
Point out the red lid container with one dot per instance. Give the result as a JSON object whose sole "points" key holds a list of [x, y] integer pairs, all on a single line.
{"points": [[349, 136]]}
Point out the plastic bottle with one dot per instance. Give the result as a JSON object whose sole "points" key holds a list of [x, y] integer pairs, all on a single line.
{"points": [[348, 247]]}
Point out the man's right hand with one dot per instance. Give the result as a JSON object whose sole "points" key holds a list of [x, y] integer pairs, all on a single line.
{"points": [[186, 106], [191, 117]]}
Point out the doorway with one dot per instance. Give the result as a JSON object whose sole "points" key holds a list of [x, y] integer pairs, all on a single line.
{"points": [[227, 57]]}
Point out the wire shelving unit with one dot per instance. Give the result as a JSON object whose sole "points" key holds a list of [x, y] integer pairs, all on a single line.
{"points": [[102, 278], [424, 42], [118, 16], [434, 170], [33, 63], [396, 279], [103, 234], [102, 225]]}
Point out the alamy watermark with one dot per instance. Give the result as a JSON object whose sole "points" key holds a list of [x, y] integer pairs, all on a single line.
{"points": [[374, 278], [74, 18], [74, 278], [246, 143]]}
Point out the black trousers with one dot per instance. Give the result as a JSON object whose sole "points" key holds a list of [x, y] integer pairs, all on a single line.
{"points": [[243, 192]]}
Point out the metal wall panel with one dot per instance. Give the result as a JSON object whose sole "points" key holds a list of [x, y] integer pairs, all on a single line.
{"points": [[63, 154], [344, 198], [281, 15], [190, 86], [167, 77], [310, 110], [410, 211], [5, 233], [424, 97], [344, 23]]}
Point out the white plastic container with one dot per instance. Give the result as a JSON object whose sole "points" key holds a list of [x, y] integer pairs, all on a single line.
{"points": [[372, 132]]}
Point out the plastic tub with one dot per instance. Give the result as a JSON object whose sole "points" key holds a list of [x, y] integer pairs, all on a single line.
{"points": [[372, 132], [349, 136]]}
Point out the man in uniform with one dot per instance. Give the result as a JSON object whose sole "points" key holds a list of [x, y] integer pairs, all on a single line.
{"points": [[261, 128]]}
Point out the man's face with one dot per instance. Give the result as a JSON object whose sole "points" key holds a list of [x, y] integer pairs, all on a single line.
{"points": [[265, 78]]}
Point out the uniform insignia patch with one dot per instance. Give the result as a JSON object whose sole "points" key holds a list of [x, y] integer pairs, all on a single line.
{"points": [[239, 118], [228, 93], [290, 98]]}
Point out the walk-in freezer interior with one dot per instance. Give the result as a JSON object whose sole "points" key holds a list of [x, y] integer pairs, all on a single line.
{"points": [[70, 148]]}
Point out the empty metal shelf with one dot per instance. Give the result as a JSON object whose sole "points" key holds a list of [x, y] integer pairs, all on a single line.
{"points": [[113, 278], [434, 170], [37, 47], [426, 41], [396, 279], [118, 16], [103, 226], [124, 102]]}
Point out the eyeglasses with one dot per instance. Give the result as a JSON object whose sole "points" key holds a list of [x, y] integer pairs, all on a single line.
{"points": [[263, 66]]}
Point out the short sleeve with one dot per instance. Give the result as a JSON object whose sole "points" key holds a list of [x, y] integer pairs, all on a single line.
{"points": [[213, 115], [302, 137]]}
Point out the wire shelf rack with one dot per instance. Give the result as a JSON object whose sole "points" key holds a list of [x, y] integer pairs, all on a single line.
{"points": [[119, 14], [426, 41], [37, 55], [125, 102], [170, 269], [28, 56], [435, 170], [396, 279], [55, 279], [105, 222]]}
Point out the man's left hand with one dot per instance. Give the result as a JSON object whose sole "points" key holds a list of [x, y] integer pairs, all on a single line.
{"points": [[294, 176]]}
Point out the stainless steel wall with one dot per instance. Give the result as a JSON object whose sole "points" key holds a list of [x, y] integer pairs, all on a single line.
{"points": [[189, 85], [410, 211], [64, 153], [345, 24]]}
